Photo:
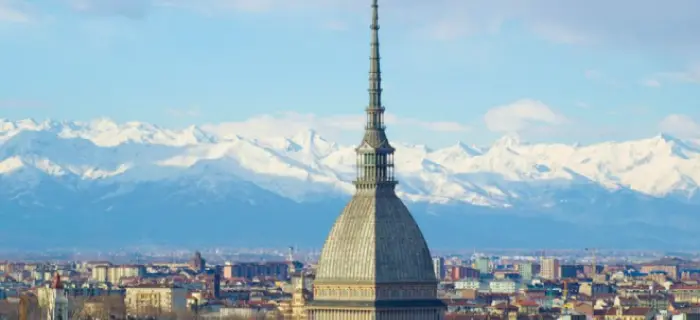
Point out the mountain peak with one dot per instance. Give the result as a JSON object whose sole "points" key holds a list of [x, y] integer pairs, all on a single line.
{"points": [[142, 169], [677, 146], [509, 140], [306, 134], [666, 137], [461, 170], [199, 135], [103, 124], [470, 150], [310, 141]]}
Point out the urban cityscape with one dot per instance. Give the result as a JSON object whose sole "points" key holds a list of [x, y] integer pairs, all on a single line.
{"points": [[278, 284], [375, 263]]}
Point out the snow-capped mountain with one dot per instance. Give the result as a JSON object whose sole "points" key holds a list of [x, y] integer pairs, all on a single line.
{"points": [[302, 165], [100, 166]]}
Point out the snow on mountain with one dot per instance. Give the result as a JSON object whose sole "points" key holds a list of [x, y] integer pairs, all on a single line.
{"points": [[306, 166], [106, 133]]}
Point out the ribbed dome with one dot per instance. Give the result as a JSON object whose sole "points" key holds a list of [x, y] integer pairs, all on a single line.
{"points": [[375, 240]]}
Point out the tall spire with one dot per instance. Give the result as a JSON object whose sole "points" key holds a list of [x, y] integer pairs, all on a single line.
{"points": [[375, 156], [375, 73]]}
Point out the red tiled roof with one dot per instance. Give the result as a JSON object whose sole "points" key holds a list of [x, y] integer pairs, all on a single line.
{"points": [[682, 286], [634, 287], [632, 311], [626, 300], [463, 316], [502, 306], [527, 303], [604, 296], [459, 302]]}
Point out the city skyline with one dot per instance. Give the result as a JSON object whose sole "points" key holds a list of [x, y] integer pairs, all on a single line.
{"points": [[163, 192], [538, 71], [559, 285]]}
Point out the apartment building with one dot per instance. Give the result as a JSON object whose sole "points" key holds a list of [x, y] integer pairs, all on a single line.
{"points": [[153, 300]]}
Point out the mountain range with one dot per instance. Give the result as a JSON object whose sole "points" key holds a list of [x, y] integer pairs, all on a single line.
{"points": [[105, 184]]}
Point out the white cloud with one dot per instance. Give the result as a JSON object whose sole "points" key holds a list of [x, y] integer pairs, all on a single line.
{"points": [[128, 8], [521, 116], [561, 35], [333, 127], [680, 125], [437, 126], [253, 6], [287, 124], [689, 75], [651, 24], [653, 83], [663, 25], [692, 75], [440, 126], [14, 12]]}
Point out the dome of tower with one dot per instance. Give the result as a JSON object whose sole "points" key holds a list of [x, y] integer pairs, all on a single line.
{"points": [[375, 240]]}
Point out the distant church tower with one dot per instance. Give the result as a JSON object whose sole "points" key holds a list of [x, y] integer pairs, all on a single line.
{"points": [[197, 263], [300, 294], [58, 303]]}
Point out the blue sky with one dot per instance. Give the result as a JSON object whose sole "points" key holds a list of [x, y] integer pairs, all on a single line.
{"points": [[469, 70]]}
